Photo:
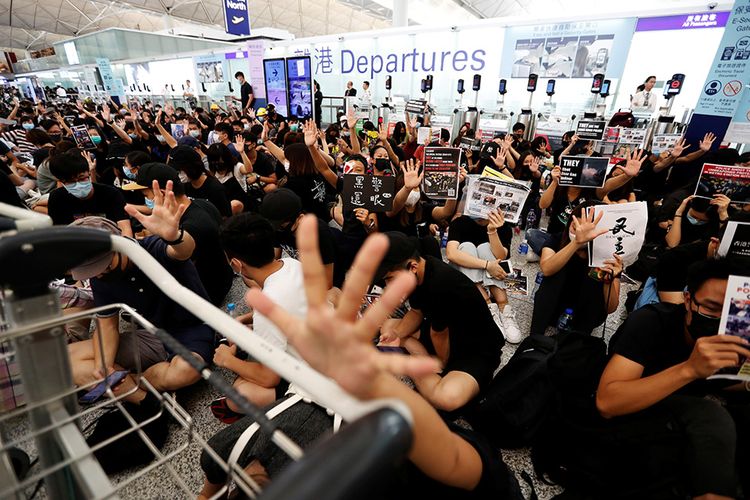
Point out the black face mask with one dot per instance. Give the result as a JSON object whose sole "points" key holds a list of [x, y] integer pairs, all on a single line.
{"points": [[55, 137], [702, 326]]}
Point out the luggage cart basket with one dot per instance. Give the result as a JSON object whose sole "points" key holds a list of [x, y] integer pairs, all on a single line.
{"points": [[33, 336]]}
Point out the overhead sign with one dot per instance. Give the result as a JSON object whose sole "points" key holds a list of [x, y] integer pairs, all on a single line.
{"points": [[237, 17], [683, 21], [112, 86], [739, 129]]}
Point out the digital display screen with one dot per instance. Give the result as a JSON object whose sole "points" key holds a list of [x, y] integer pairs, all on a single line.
{"points": [[675, 84], [605, 88], [596, 83], [550, 86], [460, 86], [274, 72], [477, 82], [300, 85], [503, 84], [531, 84]]}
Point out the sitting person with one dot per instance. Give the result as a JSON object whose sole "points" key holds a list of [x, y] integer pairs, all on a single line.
{"points": [[671, 279], [449, 318], [661, 357], [115, 279], [248, 241], [476, 248], [695, 218], [570, 284]]}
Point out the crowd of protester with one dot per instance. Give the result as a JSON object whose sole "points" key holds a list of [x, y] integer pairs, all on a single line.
{"points": [[217, 194]]}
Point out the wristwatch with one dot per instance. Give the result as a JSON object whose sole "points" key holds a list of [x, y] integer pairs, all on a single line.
{"points": [[179, 239]]}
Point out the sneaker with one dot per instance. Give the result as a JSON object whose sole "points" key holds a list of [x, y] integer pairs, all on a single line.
{"points": [[510, 328], [531, 256], [223, 412], [495, 311]]}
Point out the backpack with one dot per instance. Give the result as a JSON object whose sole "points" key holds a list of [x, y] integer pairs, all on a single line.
{"points": [[543, 369], [623, 118]]}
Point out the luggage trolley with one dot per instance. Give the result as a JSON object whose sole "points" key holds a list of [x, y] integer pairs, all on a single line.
{"points": [[377, 434]]}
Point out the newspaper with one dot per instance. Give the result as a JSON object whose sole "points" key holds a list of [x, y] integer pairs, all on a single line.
{"points": [[487, 194]]}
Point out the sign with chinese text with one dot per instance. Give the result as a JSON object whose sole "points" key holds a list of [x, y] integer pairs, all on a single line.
{"points": [[373, 192], [626, 229], [683, 21]]}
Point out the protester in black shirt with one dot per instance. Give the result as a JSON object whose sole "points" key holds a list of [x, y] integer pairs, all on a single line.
{"points": [[197, 183], [670, 270], [696, 219], [79, 197], [662, 356], [449, 318], [247, 98]]}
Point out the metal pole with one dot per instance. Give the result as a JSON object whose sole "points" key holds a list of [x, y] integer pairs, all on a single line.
{"points": [[400, 13]]}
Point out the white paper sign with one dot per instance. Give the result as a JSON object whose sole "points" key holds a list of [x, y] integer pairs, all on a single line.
{"points": [[626, 225], [663, 142], [486, 194]]}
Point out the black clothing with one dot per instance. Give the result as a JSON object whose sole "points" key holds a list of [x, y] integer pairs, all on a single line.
{"points": [[213, 191], [312, 190], [464, 229], [8, 193], [288, 243], [562, 208], [350, 92], [671, 270], [106, 201], [245, 90]]}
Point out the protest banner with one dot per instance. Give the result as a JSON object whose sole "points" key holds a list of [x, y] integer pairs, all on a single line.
{"points": [[730, 180], [591, 129], [735, 320], [373, 192], [487, 194], [441, 168], [583, 171], [626, 224], [735, 244], [82, 137]]}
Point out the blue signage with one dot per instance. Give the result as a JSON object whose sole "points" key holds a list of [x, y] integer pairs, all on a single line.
{"points": [[112, 86], [237, 17]]}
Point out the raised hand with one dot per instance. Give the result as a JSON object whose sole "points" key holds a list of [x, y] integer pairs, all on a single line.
{"points": [[497, 219], [239, 142], [707, 142], [351, 119], [311, 133], [105, 112], [89, 159], [683, 206], [383, 133], [613, 265], [555, 174], [585, 227], [164, 220], [333, 340], [534, 167], [722, 202], [634, 161], [412, 177], [679, 147]]}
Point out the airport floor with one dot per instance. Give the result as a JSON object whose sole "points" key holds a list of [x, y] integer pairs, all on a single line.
{"points": [[159, 483]]}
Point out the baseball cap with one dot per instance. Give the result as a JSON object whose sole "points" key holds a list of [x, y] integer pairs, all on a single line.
{"points": [[400, 249], [183, 155], [189, 141], [280, 205], [214, 106], [97, 265], [150, 172]]}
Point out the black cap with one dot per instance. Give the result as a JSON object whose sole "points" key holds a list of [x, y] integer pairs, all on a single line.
{"points": [[281, 205], [183, 155], [150, 172], [400, 249]]}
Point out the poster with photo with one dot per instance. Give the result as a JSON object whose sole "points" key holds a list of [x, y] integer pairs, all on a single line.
{"points": [[178, 131], [735, 243], [486, 194], [210, 69], [593, 55], [470, 144], [82, 137], [583, 171], [664, 142], [735, 320], [527, 57], [632, 137], [441, 169], [626, 230], [559, 56], [373, 192], [730, 180], [490, 127], [516, 283]]}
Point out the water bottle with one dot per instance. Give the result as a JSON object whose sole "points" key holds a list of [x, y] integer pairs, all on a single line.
{"points": [[566, 318], [444, 239], [523, 249], [537, 283], [531, 220], [232, 310]]}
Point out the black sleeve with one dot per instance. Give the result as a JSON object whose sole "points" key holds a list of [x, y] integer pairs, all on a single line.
{"points": [[4, 149], [218, 196], [457, 230], [8, 193], [506, 237], [57, 209], [116, 210], [635, 339], [326, 243]]}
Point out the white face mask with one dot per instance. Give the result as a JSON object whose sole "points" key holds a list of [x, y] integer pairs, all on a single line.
{"points": [[286, 165], [413, 199], [184, 178]]}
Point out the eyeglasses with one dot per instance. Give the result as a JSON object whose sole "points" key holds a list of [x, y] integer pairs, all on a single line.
{"points": [[709, 312], [82, 177]]}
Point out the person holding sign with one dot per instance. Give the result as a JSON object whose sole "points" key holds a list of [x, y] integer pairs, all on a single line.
{"points": [[697, 219], [570, 284]]}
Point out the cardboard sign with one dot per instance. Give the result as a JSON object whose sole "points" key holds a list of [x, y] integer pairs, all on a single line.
{"points": [[583, 171], [626, 225], [373, 192], [486, 194], [731, 180], [735, 320], [735, 244], [441, 167], [591, 129], [82, 137]]}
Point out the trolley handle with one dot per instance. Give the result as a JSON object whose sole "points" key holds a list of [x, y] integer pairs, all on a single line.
{"points": [[353, 461]]}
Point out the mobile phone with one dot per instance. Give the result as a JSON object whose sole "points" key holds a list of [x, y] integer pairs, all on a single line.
{"points": [[388, 82], [596, 83], [506, 266], [550, 87], [388, 348], [604, 91], [531, 82], [503, 88], [460, 86], [477, 82], [601, 57], [94, 394]]}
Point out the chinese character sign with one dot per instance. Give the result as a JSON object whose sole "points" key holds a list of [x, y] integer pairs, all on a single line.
{"points": [[626, 228], [373, 192]]}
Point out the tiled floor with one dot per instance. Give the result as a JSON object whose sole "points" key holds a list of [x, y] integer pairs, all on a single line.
{"points": [[159, 484]]}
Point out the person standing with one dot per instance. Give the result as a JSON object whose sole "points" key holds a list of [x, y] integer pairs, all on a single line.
{"points": [[645, 100], [366, 94], [318, 104], [350, 90], [247, 98]]}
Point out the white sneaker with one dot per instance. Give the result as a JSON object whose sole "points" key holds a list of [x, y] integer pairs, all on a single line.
{"points": [[510, 328], [495, 311], [531, 256]]}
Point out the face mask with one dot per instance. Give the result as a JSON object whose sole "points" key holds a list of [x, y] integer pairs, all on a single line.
{"points": [[128, 173], [184, 178], [261, 119], [195, 133], [695, 222], [293, 127], [246, 126], [702, 326], [28, 126], [133, 136], [178, 115], [96, 139], [159, 137], [417, 126], [382, 164], [55, 137], [149, 203], [412, 199], [79, 189]]}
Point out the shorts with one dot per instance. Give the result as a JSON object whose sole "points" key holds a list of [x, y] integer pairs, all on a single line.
{"points": [[142, 345], [198, 339], [484, 252]]}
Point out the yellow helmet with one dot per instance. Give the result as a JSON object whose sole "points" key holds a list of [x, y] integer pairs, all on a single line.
{"points": [[261, 112]]}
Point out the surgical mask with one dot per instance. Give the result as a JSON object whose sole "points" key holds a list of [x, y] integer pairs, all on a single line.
{"points": [[195, 133], [149, 203], [128, 173], [133, 136], [159, 137], [184, 178], [695, 222], [96, 139], [80, 189], [294, 127], [246, 126], [702, 326], [412, 199], [28, 126]]}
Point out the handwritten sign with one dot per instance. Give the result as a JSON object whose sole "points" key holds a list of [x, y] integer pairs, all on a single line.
{"points": [[730, 180], [373, 192], [626, 225], [591, 129], [583, 171], [441, 172]]}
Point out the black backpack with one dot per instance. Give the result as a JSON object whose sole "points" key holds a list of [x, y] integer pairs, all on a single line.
{"points": [[543, 369]]}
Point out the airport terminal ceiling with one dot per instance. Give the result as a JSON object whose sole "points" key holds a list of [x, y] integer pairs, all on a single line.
{"points": [[36, 24]]}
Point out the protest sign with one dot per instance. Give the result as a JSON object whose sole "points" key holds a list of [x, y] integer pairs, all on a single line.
{"points": [[486, 194], [730, 180], [470, 144], [373, 192], [591, 129], [441, 166], [664, 142], [416, 106], [626, 224], [735, 320], [178, 131], [490, 127], [516, 283], [632, 136], [82, 137], [583, 171], [735, 243]]}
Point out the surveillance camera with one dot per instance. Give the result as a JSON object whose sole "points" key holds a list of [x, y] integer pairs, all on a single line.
{"points": [[341, 39], [454, 28], [712, 5]]}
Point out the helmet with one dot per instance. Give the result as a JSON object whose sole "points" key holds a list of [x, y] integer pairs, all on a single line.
{"points": [[261, 112], [214, 107]]}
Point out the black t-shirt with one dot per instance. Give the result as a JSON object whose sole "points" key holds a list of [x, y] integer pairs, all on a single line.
{"points": [[264, 166], [562, 208], [213, 191], [654, 337], [106, 201], [449, 299], [202, 221], [407, 222], [245, 90], [465, 229], [39, 155], [138, 291], [671, 270], [8, 193], [288, 243], [312, 191]]}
